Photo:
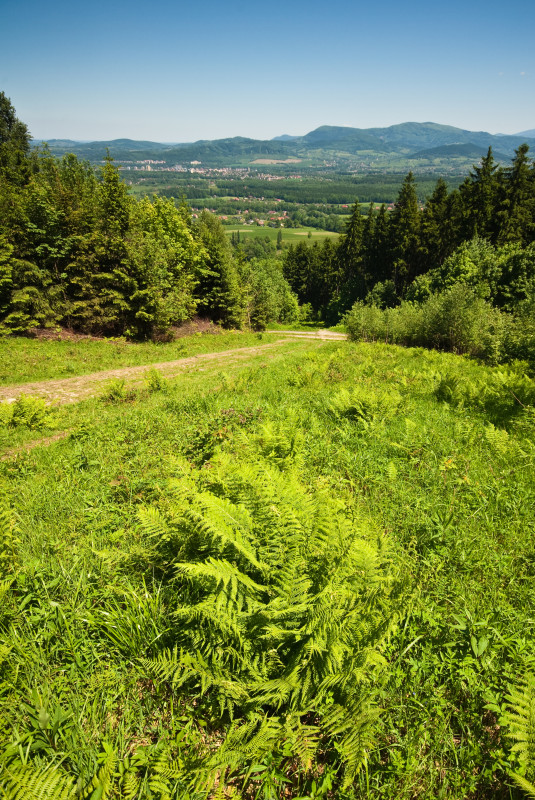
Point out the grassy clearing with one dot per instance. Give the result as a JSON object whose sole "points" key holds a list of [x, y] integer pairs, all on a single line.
{"points": [[23, 360], [113, 554], [289, 235]]}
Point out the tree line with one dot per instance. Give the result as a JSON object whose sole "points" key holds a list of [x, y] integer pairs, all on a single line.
{"points": [[384, 257], [76, 250]]}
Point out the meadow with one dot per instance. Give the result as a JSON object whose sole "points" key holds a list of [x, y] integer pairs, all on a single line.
{"points": [[289, 235], [26, 359], [304, 576]]}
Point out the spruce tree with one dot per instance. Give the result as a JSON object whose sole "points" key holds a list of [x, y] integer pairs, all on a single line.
{"points": [[218, 291], [350, 257], [14, 145], [481, 196], [517, 212], [404, 232], [435, 243]]}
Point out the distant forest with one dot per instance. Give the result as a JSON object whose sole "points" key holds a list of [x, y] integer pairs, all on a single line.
{"points": [[77, 250]]}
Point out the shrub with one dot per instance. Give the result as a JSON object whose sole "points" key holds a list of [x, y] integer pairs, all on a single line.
{"points": [[28, 411]]}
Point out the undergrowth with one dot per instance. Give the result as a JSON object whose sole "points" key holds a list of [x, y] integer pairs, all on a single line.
{"points": [[309, 578]]}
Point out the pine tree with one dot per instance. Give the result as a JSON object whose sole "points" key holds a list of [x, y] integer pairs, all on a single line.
{"points": [[517, 212], [404, 232], [350, 257], [481, 195], [435, 244]]}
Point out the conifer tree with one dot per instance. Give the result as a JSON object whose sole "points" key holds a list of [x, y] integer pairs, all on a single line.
{"points": [[517, 212], [480, 194], [350, 256], [218, 290], [404, 232], [435, 244], [14, 145], [378, 256]]}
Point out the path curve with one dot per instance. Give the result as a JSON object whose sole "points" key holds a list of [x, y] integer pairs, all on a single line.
{"points": [[71, 390]]}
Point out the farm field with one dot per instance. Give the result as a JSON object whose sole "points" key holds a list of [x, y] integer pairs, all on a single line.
{"points": [[289, 235], [304, 574]]}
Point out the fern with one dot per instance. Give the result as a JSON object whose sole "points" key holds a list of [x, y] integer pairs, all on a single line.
{"points": [[284, 609], [520, 719], [104, 781], [24, 782]]}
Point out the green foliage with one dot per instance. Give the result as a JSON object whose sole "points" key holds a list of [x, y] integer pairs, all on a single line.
{"points": [[218, 290], [365, 405], [9, 543], [23, 782], [520, 720], [27, 411], [268, 295], [284, 610], [203, 590], [155, 381], [116, 392], [456, 319], [501, 394]]}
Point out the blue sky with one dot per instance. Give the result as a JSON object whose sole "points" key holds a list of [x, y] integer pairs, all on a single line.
{"points": [[176, 71]]}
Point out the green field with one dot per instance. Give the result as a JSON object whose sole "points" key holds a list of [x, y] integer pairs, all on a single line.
{"points": [[307, 575], [289, 235]]}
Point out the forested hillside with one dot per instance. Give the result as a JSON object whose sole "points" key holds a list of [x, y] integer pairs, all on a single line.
{"points": [[77, 251], [369, 148], [458, 273]]}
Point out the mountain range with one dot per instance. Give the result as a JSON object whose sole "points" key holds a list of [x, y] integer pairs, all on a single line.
{"points": [[408, 141]]}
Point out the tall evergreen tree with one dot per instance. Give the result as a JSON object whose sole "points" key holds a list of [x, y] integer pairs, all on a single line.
{"points": [[218, 291], [350, 256], [517, 212], [14, 145], [404, 232], [378, 253], [435, 244], [481, 196]]}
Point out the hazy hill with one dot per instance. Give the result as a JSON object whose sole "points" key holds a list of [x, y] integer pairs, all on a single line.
{"points": [[468, 150], [328, 142]]}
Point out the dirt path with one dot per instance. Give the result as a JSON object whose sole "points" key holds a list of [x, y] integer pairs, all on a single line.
{"points": [[28, 446], [324, 335], [71, 390]]}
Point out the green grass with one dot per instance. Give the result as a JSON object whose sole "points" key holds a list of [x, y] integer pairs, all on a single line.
{"points": [[289, 235], [440, 484], [23, 360]]}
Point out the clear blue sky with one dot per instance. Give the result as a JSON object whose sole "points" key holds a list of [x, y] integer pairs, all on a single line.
{"points": [[180, 71]]}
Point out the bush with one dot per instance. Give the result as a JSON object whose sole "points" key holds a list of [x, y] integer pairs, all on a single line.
{"points": [[456, 320], [31, 412]]}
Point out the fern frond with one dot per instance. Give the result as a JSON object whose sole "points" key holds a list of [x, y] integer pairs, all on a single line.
{"points": [[103, 782], [224, 524], [153, 523], [23, 782], [223, 574], [520, 719], [525, 785], [353, 726], [130, 786], [303, 740]]}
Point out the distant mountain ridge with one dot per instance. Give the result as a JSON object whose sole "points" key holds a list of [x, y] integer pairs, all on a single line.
{"points": [[406, 140]]}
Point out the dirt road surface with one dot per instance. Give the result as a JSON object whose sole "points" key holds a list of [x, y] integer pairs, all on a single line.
{"points": [[71, 390]]}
